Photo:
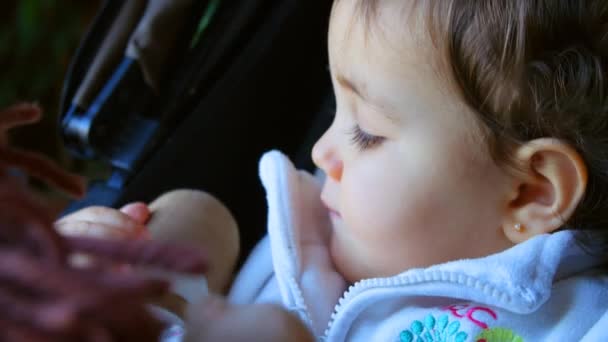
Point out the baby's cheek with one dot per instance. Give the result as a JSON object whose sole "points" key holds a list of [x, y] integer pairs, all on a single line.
{"points": [[389, 229], [355, 241], [371, 211]]}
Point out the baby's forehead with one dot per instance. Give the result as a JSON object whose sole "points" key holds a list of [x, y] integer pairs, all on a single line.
{"points": [[388, 16], [390, 60], [393, 34]]}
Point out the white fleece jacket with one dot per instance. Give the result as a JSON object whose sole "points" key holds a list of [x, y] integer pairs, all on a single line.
{"points": [[545, 289]]}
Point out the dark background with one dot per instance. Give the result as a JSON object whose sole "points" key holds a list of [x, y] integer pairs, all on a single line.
{"points": [[37, 41]]}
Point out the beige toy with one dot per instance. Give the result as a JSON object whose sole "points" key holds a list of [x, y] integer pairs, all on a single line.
{"points": [[196, 218]]}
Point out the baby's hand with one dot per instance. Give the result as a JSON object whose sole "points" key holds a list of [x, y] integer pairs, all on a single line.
{"points": [[101, 222], [106, 223], [214, 319]]}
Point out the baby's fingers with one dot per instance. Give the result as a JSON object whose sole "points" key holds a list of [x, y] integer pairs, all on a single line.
{"points": [[138, 211], [94, 230], [93, 221], [91, 229]]}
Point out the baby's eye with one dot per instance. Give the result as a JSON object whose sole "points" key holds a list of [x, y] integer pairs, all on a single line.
{"points": [[364, 140]]}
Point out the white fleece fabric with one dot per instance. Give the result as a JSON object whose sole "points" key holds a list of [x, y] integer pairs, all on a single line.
{"points": [[545, 289]]}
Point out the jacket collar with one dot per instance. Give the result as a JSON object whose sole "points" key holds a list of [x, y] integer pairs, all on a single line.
{"points": [[518, 279]]}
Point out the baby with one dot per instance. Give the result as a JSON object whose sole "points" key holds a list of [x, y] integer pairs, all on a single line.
{"points": [[465, 191]]}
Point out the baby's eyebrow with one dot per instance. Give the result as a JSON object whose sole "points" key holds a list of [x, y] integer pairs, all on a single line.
{"points": [[360, 92], [349, 85]]}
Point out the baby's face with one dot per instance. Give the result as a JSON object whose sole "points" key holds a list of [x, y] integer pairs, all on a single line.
{"points": [[410, 183]]}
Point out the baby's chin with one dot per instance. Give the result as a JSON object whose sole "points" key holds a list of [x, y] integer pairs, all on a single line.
{"points": [[345, 263], [353, 265]]}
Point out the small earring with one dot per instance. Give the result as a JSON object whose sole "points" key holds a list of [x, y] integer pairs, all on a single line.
{"points": [[519, 227]]}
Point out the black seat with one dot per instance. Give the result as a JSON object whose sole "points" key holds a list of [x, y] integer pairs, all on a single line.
{"points": [[256, 80]]}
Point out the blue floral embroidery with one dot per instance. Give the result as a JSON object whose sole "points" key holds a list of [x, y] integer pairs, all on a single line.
{"points": [[434, 330]]}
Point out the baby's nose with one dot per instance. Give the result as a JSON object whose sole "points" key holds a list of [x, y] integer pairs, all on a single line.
{"points": [[326, 158]]}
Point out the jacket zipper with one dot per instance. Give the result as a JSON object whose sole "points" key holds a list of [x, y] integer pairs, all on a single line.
{"points": [[412, 279], [299, 304], [353, 290]]}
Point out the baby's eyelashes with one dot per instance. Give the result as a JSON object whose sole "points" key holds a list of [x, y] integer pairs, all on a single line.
{"points": [[364, 140]]}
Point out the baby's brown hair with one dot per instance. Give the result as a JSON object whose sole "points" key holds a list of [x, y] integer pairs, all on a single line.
{"points": [[530, 69]]}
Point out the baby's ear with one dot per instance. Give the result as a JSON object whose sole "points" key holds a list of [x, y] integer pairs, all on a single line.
{"points": [[546, 191]]}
